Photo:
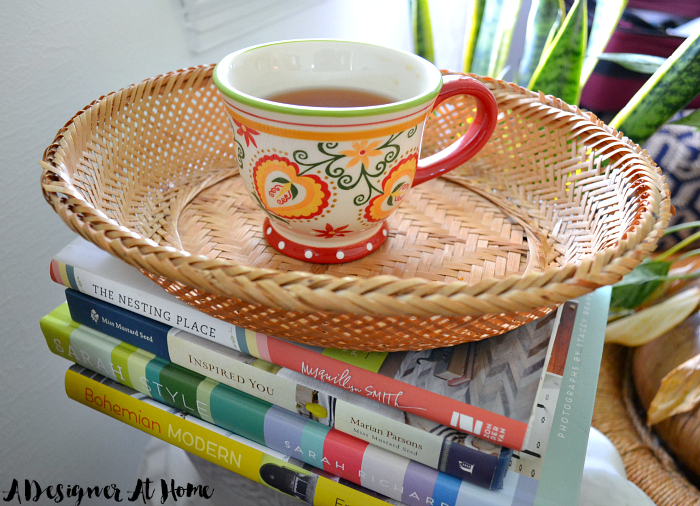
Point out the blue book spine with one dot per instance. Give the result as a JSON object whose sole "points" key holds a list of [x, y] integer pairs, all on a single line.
{"points": [[132, 328]]}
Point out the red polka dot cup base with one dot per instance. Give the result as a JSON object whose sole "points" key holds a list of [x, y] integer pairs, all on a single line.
{"points": [[327, 177], [324, 255]]}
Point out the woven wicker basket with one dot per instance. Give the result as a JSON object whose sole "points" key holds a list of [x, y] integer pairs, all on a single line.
{"points": [[647, 462], [556, 205]]}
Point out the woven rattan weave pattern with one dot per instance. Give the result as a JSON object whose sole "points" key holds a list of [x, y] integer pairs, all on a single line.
{"points": [[647, 462], [556, 205]]}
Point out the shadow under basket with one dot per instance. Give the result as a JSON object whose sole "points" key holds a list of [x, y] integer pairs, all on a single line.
{"points": [[556, 205]]}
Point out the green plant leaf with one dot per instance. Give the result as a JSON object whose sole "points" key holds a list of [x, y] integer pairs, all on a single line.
{"points": [[281, 180], [475, 8], [642, 63], [650, 279], [495, 35], [638, 285], [294, 191], [605, 18], [692, 119], [422, 29], [542, 23], [559, 70], [665, 93]]}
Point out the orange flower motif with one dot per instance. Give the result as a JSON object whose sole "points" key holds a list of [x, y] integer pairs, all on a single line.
{"points": [[332, 232], [247, 133], [361, 152], [395, 185]]}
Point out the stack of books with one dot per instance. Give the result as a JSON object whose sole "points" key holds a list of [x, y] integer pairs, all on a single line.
{"points": [[503, 421]]}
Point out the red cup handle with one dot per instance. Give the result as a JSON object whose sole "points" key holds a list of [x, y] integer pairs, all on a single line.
{"points": [[473, 139]]}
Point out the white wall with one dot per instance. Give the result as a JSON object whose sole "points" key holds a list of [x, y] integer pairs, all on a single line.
{"points": [[56, 58]]}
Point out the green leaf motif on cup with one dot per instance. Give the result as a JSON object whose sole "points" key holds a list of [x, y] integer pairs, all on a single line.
{"points": [[342, 165], [240, 152], [292, 187], [399, 186]]}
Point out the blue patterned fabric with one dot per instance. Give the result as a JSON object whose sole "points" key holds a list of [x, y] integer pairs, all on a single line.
{"points": [[676, 149]]}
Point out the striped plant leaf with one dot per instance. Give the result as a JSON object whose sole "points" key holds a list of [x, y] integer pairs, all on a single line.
{"points": [[665, 93], [559, 70], [422, 29], [471, 32], [605, 19], [542, 23], [495, 35], [641, 63], [554, 31]]}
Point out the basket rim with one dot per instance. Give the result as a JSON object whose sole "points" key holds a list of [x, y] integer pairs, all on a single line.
{"points": [[385, 295]]}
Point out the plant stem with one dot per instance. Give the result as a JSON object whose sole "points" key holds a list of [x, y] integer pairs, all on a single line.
{"points": [[685, 276], [679, 246], [689, 254], [681, 226]]}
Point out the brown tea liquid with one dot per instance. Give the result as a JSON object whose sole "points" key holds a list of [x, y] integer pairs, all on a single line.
{"points": [[330, 97]]}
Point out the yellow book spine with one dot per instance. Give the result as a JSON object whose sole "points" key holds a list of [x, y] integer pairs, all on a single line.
{"points": [[198, 440]]}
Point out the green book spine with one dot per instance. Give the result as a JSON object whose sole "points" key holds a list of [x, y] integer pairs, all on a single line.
{"points": [[209, 442]]}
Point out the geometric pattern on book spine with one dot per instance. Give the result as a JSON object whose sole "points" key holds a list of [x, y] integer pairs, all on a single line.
{"points": [[507, 369]]}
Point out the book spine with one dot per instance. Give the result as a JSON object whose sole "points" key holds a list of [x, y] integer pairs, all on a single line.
{"points": [[318, 445], [205, 441], [573, 411], [528, 462], [441, 409], [259, 379], [161, 307], [132, 328], [245, 373], [403, 396]]}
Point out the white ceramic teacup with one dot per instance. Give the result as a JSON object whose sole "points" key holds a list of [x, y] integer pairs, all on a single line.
{"points": [[327, 177]]}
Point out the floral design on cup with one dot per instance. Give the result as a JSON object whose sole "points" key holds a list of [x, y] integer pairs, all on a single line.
{"points": [[359, 173], [330, 232], [361, 152], [247, 133], [285, 193], [394, 187]]}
